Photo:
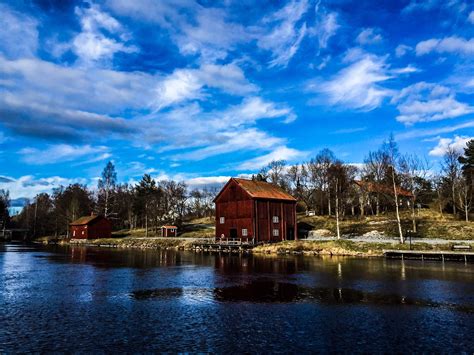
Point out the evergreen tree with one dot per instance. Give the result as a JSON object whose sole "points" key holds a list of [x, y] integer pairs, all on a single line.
{"points": [[4, 204], [467, 162]]}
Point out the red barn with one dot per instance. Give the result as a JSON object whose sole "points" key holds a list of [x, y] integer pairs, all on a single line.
{"points": [[91, 227], [169, 231], [255, 210]]}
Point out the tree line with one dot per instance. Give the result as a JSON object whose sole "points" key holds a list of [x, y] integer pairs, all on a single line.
{"points": [[386, 182], [148, 204]]}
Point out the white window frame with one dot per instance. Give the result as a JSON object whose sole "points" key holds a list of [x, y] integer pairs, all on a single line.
{"points": [[245, 232], [222, 220], [276, 219], [276, 232]]}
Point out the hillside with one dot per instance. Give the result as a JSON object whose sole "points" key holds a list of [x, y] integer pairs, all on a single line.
{"points": [[430, 224]]}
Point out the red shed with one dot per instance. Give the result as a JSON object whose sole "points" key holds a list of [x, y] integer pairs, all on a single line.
{"points": [[255, 210], [169, 231], [91, 227]]}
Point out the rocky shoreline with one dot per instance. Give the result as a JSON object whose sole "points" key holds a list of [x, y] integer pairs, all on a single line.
{"points": [[304, 247]]}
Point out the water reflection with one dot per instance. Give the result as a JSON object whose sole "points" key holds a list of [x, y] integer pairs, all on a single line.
{"points": [[271, 291], [54, 298]]}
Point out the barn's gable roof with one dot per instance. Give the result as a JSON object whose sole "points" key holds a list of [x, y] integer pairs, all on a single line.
{"points": [[260, 190], [85, 220]]}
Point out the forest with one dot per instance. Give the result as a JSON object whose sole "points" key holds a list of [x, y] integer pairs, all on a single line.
{"points": [[386, 182]]}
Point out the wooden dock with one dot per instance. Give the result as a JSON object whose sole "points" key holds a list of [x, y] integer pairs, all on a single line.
{"points": [[430, 255], [227, 245]]}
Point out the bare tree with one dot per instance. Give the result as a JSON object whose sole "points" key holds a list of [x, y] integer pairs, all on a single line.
{"points": [[340, 181], [413, 171], [452, 170], [274, 173], [376, 166], [391, 151], [318, 169], [464, 196]]}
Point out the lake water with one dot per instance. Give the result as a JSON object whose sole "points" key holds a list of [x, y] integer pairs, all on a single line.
{"points": [[85, 299]]}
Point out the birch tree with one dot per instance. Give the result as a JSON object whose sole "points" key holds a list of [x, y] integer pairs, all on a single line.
{"points": [[106, 186], [452, 171], [391, 151]]}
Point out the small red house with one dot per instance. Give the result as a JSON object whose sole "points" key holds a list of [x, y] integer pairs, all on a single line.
{"points": [[91, 227], [256, 211], [169, 231]]}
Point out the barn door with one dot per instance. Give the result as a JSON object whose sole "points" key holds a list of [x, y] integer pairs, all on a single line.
{"points": [[290, 234], [233, 233]]}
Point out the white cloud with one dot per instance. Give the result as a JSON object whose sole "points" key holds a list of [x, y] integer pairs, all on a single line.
{"points": [[18, 35], [358, 85], [182, 85], [434, 131], [71, 101], [207, 180], [425, 102], [197, 30], [187, 84], [402, 49], [279, 153], [456, 6], [93, 44], [211, 35], [452, 44], [458, 143], [406, 70], [63, 153], [325, 27], [252, 109], [470, 18], [286, 35], [231, 141], [369, 36], [216, 132], [29, 186]]}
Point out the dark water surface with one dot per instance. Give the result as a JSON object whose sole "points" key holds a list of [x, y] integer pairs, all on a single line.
{"points": [[85, 299]]}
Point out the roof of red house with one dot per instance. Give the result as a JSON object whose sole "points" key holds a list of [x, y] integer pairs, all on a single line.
{"points": [[169, 227], [261, 190], [84, 220], [384, 189]]}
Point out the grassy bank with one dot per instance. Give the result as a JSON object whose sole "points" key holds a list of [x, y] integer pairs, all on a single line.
{"points": [[430, 224], [342, 247], [305, 247]]}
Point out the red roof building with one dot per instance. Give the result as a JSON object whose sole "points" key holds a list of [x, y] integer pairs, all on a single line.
{"points": [[372, 187], [255, 210], [91, 227], [169, 231]]}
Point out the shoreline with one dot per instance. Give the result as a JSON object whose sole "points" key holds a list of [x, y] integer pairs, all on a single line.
{"points": [[341, 247]]}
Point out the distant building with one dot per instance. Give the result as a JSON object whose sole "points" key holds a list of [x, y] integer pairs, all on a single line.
{"points": [[374, 188], [91, 227], [169, 231], [255, 210]]}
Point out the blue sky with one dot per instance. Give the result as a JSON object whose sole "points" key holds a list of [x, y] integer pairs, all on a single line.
{"points": [[200, 91]]}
